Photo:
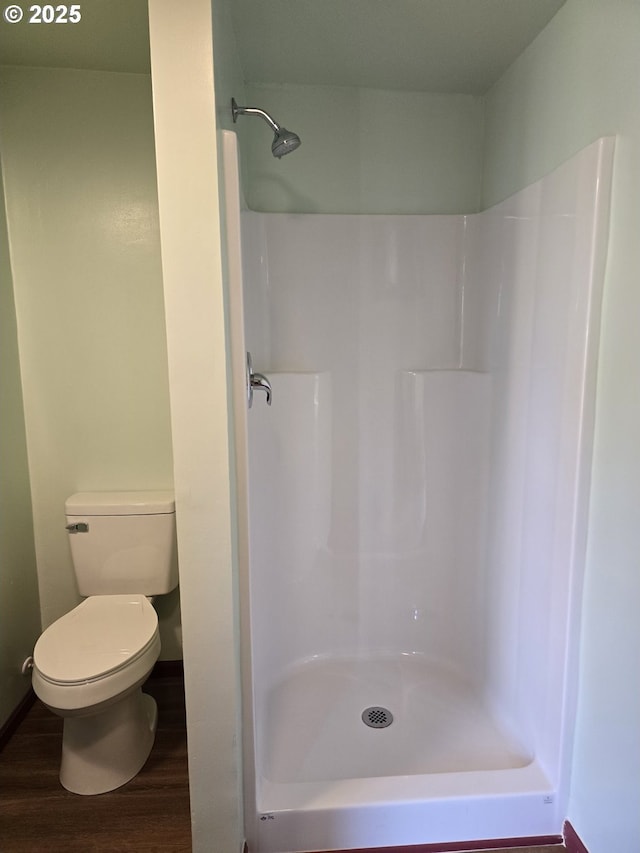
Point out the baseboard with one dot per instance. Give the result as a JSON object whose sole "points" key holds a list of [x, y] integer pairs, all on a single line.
{"points": [[467, 846], [464, 846], [572, 840], [168, 669], [16, 717]]}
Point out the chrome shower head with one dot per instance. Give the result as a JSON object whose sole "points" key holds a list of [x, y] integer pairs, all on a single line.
{"points": [[284, 140]]}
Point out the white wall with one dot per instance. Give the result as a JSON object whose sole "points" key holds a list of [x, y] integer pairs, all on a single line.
{"points": [[186, 152], [77, 151], [364, 151], [577, 81]]}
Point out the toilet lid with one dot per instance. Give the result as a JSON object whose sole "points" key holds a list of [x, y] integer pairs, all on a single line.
{"points": [[100, 635]]}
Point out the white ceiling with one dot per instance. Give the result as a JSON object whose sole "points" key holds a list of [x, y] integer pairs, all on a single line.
{"points": [[416, 45], [423, 45]]}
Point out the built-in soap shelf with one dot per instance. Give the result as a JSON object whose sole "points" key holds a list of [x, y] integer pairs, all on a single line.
{"points": [[447, 370], [461, 392]]}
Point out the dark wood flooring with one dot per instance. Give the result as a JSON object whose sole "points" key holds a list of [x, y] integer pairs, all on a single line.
{"points": [[150, 813]]}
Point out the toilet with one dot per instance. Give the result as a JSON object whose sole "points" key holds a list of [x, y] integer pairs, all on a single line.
{"points": [[89, 665]]}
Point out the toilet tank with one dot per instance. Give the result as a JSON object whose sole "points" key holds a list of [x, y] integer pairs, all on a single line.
{"points": [[123, 542]]}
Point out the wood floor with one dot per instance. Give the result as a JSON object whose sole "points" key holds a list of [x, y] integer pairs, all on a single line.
{"points": [[150, 813]]}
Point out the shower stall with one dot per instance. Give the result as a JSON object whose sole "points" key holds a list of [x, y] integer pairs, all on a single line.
{"points": [[413, 508]]}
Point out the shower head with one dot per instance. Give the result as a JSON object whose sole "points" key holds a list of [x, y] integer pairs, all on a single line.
{"points": [[284, 140]]}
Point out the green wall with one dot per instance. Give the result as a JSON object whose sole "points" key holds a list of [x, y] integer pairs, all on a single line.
{"points": [[364, 151], [19, 605], [80, 181], [577, 81], [229, 76]]}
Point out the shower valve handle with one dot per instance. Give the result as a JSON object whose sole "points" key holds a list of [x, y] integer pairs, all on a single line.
{"points": [[256, 382], [261, 383]]}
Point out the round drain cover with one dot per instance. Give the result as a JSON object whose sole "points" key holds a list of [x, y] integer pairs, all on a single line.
{"points": [[377, 717]]}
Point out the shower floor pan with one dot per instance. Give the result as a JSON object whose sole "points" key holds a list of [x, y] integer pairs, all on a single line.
{"points": [[315, 731], [441, 770]]}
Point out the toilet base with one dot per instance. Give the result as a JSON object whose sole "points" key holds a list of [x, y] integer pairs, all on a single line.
{"points": [[104, 751]]}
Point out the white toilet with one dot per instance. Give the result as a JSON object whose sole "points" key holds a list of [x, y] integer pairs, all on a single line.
{"points": [[89, 665]]}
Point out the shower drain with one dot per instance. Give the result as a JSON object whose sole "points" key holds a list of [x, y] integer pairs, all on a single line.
{"points": [[377, 717]]}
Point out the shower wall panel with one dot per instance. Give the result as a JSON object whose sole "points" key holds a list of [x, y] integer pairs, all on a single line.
{"points": [[294, 585], [375, 303], [441, 493], [548, 245]]}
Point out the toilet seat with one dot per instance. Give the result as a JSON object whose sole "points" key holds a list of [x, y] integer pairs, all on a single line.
{"points": [[100, 635], [104, 646]]}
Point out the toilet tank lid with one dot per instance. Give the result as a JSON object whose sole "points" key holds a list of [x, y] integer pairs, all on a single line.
{"points": [[156, 502]]}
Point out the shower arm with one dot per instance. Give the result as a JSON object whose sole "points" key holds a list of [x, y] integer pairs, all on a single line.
{"points": [[253, 111]]}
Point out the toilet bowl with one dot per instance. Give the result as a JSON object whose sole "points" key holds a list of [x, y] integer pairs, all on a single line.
{"points": [[89, 666]]}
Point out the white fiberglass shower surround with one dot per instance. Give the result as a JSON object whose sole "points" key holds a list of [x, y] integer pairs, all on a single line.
{"points": [[416, 501]]}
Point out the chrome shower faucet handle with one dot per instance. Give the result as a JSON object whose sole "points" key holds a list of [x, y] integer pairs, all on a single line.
{"points": [[256, 382]]}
